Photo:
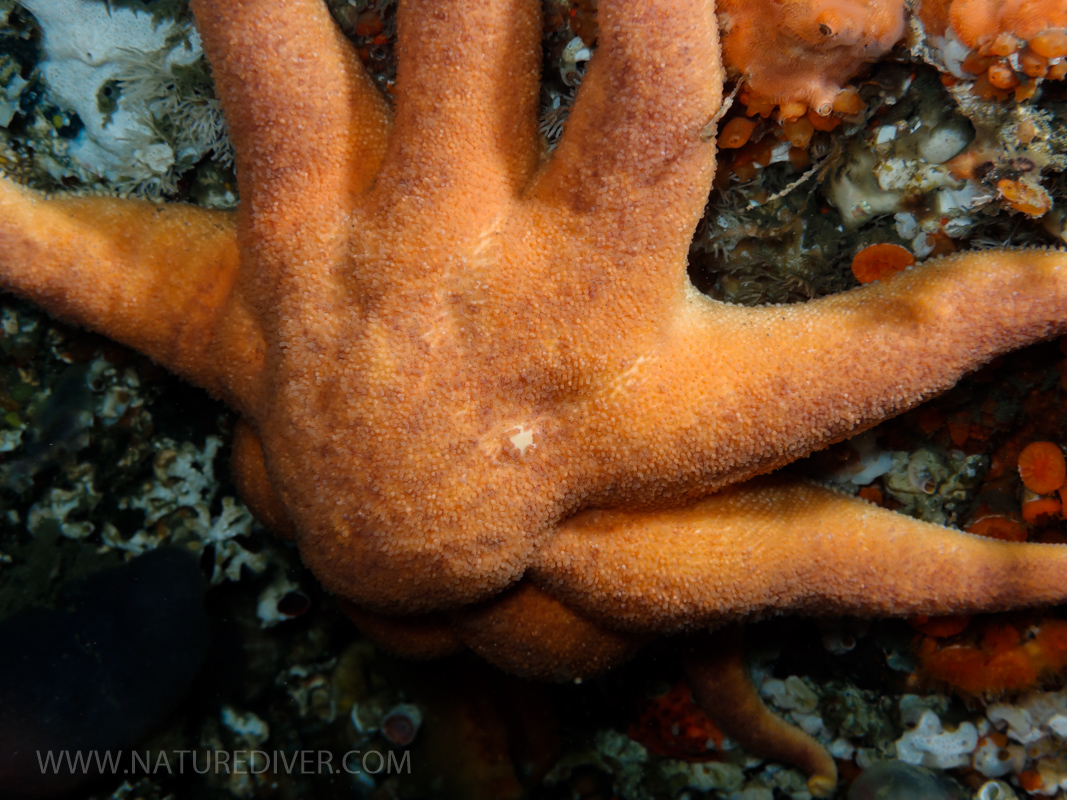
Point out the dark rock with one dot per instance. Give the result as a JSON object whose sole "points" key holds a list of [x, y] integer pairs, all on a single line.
{"points": [[99, 671]]}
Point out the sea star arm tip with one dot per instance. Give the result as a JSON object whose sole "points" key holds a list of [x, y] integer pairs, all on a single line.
{"points": [[306, 148], [462, 142], [718, 675], [159, 279], [633, 140]]}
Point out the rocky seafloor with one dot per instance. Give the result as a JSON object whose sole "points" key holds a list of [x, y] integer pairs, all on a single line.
{"points": [[105, 459]]}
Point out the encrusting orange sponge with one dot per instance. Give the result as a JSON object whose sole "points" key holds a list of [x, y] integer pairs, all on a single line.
{"points": [[799, 53]]}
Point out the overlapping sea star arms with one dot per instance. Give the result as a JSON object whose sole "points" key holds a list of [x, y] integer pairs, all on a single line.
{"points": [[483, 387], [475, 294]]}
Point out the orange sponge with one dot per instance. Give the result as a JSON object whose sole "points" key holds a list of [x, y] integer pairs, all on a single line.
{"points": [[802, 51]]}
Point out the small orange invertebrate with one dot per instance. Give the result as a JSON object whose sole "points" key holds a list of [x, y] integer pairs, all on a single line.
{"points": [[1051, 43], [369, 24], [823, 123], [1042, 467], [848, 102], [798, 157], [1032, 64], [1031, 780], [798, 131], [1025, 197], [792, 109], [1002, 76], [736, 133], [1025, 132], [879, 262], [872, 494]]}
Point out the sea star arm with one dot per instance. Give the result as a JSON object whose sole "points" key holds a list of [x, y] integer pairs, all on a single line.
{"points": [[718, 676], [631, 173], [772, 545], [308, 124], [465, 141], [309, 128], [776, 383], [159, 279]]}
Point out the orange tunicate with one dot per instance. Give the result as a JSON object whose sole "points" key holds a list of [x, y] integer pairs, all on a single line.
{"points": [[959, 429], [1025, 91], [1032, 64], [1025, 132], [966, 165], [584, 21], [751, 154], [736, 133], [798, 157], [798, 131], [757, 106], [849, 102], [1002, 76], [878, 262], [1050, 645], [1031, 781], [1050, 44], [821, 123], [872, 494], [792, 110], [369, 24], [1024, 196], [1057, 71], [1042, 467], [941, 244], [930, 419], [1004, 45], [982, 87], [976, 64]]}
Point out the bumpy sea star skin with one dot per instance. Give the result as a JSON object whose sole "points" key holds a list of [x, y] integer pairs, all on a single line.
{"points": [[480, 392]]}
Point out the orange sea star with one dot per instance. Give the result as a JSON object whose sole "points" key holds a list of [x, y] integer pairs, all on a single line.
{"points": [[480, 392]]}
